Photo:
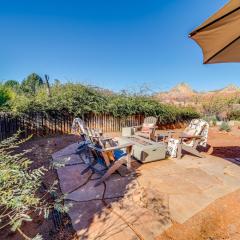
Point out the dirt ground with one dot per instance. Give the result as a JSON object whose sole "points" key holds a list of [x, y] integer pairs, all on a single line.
{"points": [[42, 148], [224, 144], [219, 221]]}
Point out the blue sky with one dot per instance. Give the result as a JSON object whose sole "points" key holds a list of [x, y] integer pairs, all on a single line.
{"points": [[120, 44]]}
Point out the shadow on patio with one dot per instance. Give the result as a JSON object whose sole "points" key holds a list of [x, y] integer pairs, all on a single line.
{"points": [[118, 208]]}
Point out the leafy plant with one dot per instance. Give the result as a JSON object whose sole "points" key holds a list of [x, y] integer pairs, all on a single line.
{"points": [[234, 115], [77, 99], [211, 120], [214, 122], [11, 84], [19, 186], [225, 127], [32, 83], [6, 95]]}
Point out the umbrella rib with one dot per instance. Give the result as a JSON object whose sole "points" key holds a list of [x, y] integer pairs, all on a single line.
{"points": [[208, 60], [209, 24]]}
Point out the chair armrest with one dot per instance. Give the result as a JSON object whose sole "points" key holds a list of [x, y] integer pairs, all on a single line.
{"points": [[106, 138], [126, 145], [167, 134], [111, 148], [190, 136]]}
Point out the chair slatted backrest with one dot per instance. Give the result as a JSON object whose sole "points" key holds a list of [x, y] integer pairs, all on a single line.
{"points": [[150, 120], [149, 124], [78, 126]]}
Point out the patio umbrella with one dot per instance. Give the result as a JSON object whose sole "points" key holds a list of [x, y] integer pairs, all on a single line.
{"points": [[219, 36]]}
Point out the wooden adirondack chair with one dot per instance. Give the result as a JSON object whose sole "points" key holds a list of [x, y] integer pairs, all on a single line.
{"points": [[112, 158], [194, 135], [147, 129], [102, 150]]}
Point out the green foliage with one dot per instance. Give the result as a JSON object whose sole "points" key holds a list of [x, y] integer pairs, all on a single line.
{"points": [[212, 120], [21, 103], [234, 115], [19, 186], [5, 96], [11, 84], [225, 127], [32, 83], [79, 99], [217, 105]]}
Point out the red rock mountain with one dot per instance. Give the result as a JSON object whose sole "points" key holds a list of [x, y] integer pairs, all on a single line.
{"points": [[184, 94]]}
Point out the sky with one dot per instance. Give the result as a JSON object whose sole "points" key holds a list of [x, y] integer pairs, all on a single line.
{"points": [[115, 44]]}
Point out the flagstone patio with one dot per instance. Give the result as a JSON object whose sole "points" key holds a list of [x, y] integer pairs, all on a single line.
{"points": [[141, 205]]}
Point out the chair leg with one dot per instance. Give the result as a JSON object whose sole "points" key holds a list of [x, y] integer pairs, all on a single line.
{"points": [[111, 170], [179, 150]]}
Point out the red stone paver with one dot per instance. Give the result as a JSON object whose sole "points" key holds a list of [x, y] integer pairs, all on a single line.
{"points": [[143, 205]]}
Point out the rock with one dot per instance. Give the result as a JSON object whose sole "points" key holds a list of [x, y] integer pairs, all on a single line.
{"points": [[69, 150], [87, 192], [71, 178], [62, 161]]}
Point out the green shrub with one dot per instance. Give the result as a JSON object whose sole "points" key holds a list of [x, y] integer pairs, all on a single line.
{"points": [[217, 104], [225, 127], [32, 83], [214, 122], [6, 94], [11, 84], [234, 115], [211, 120], [77, 99], [19, 186]]}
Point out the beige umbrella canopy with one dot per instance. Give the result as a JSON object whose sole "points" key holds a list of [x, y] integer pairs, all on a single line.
{"points": [[219, 36]]}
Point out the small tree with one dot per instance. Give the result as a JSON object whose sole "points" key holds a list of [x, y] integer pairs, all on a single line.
{"points": [[11, 84], [32, 83]]}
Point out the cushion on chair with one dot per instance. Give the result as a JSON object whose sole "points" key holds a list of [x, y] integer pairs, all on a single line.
{"points": [[147, 127], [197, 127], [119, 153]]}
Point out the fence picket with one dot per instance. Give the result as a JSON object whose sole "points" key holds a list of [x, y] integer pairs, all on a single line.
{"points": [[41, 124]]}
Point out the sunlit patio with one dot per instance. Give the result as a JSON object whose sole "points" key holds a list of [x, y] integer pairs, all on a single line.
{"points": [[141, 204]]}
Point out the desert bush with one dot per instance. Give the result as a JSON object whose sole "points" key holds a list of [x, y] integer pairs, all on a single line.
{"points": [[212, 120], [19, 186], [225, 127], [234, 115], [219, 106]]}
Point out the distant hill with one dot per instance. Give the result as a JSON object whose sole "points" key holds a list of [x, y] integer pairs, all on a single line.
{"points": [[183, 94]]}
